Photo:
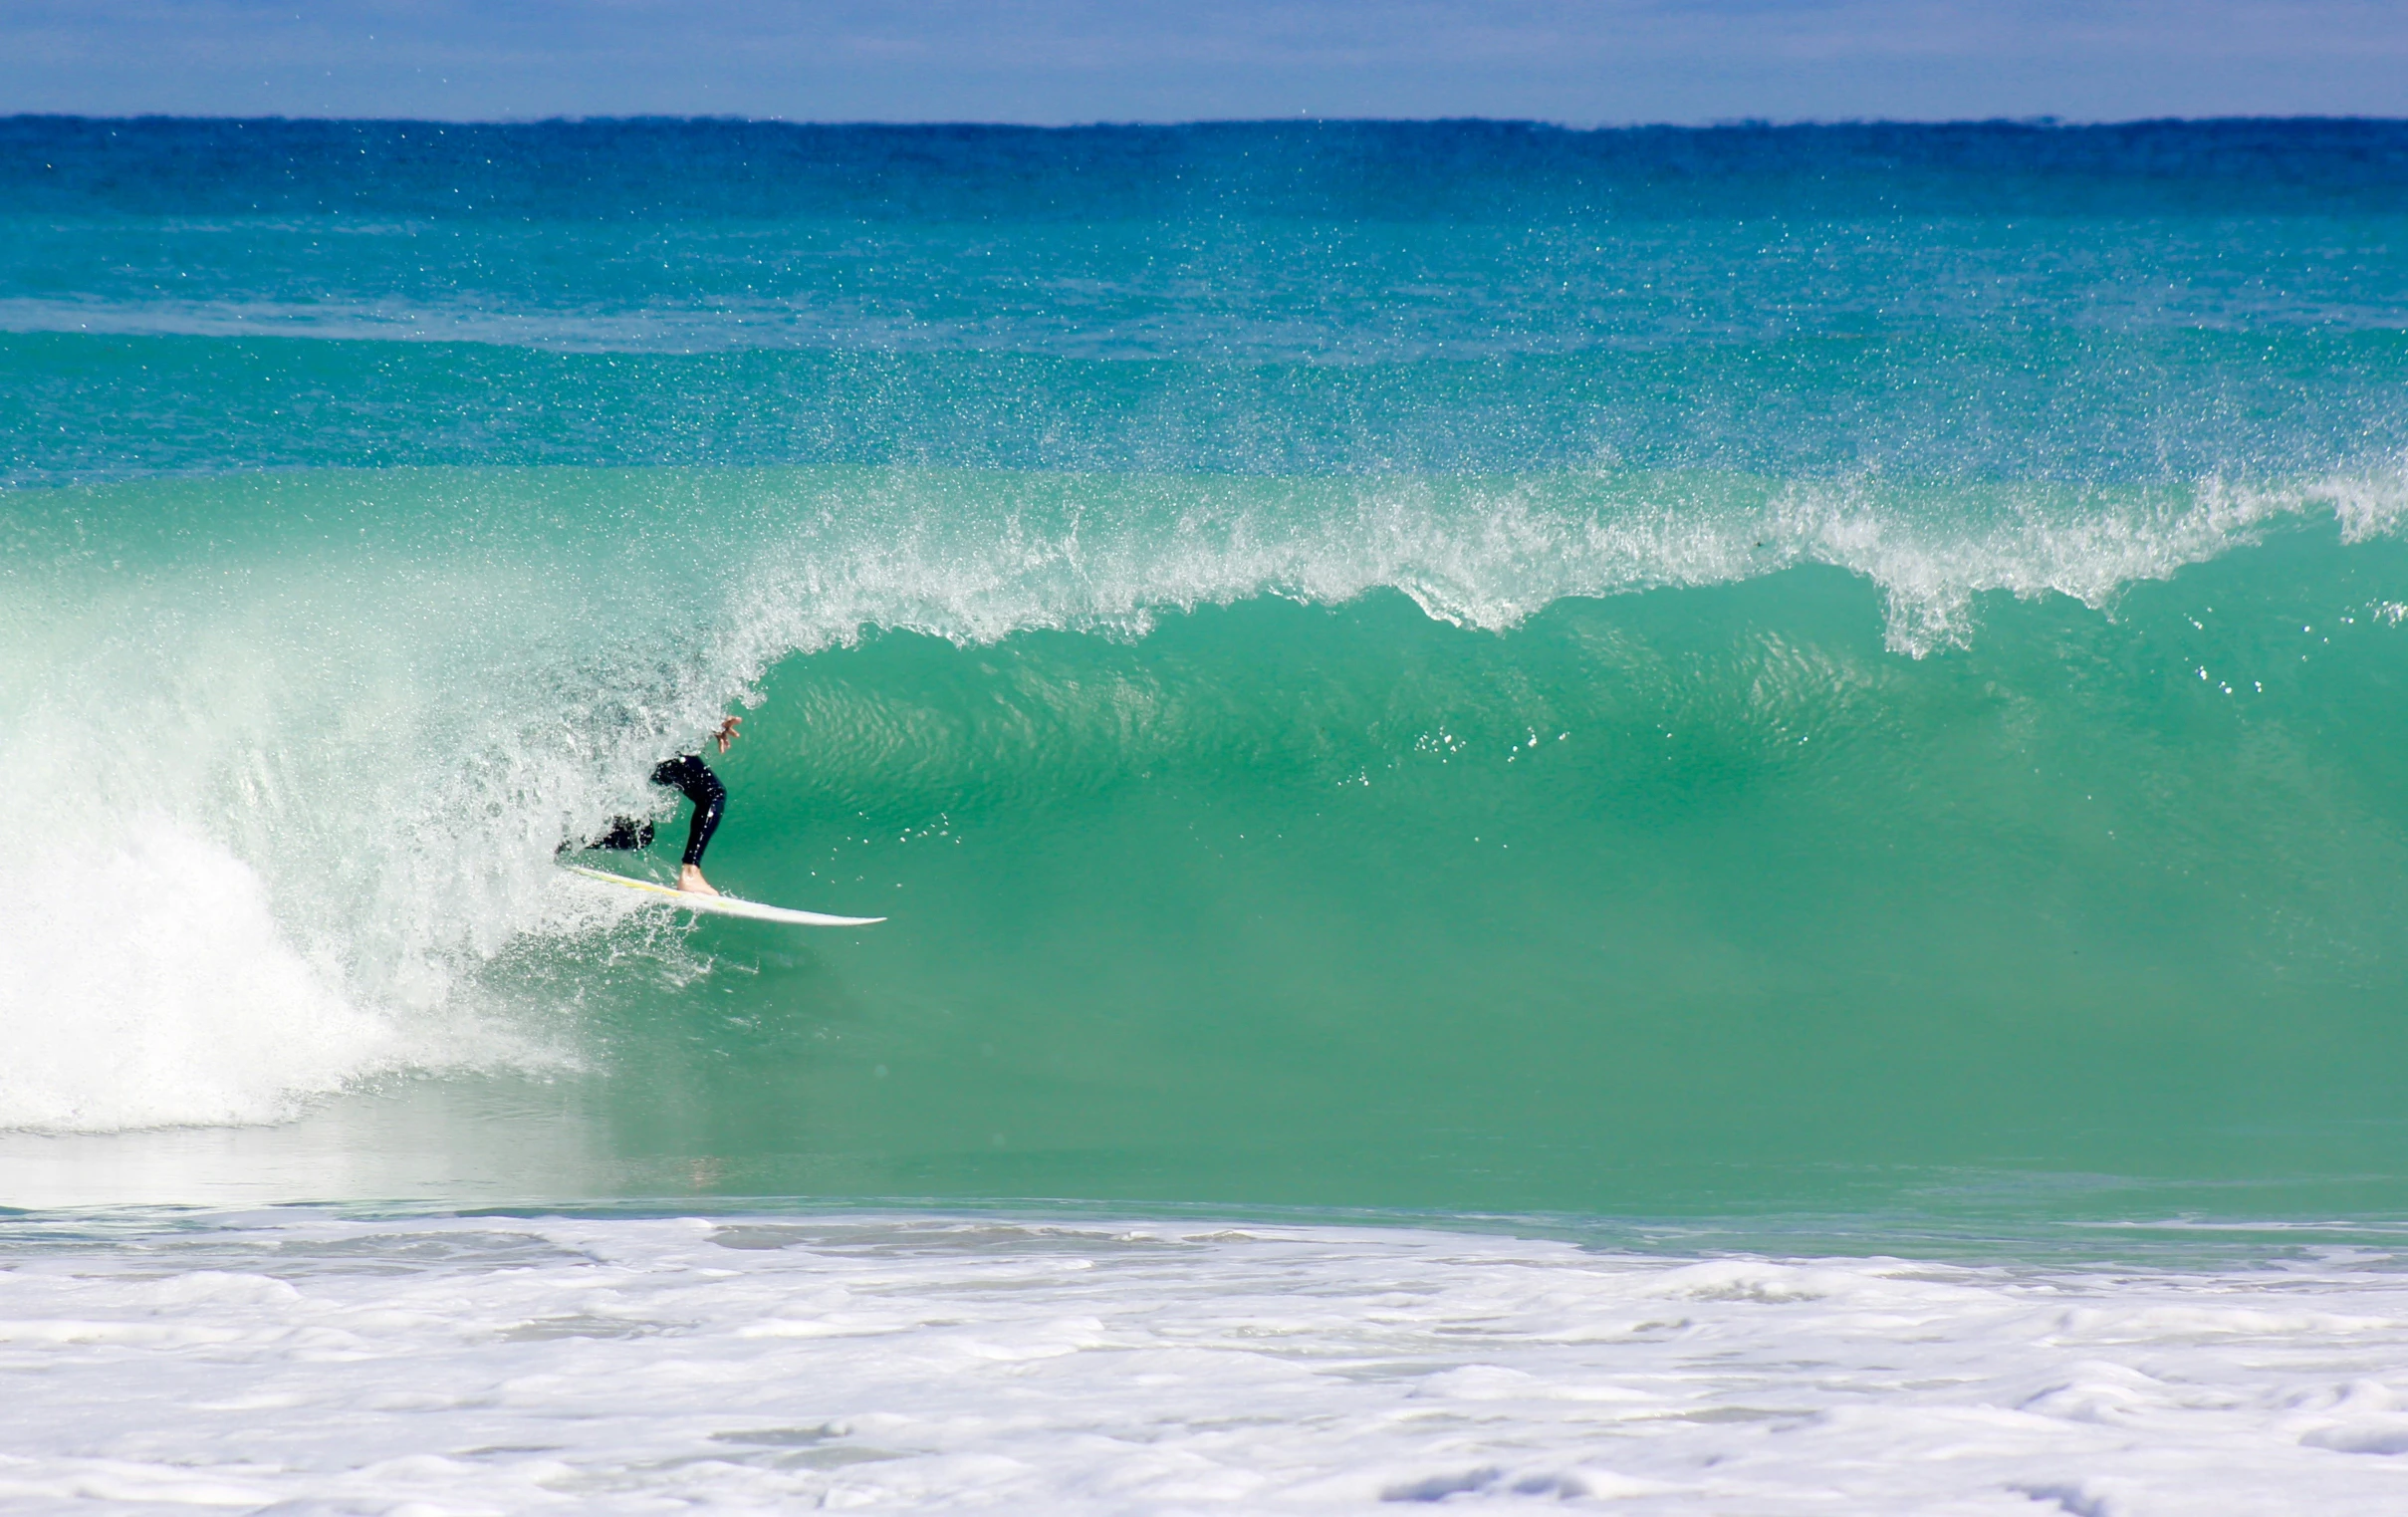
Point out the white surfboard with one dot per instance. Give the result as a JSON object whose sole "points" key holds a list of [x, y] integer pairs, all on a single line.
{"points": [[723, 906]]}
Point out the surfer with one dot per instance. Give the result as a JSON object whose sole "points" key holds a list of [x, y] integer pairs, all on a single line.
{"points": [[690, 776]]}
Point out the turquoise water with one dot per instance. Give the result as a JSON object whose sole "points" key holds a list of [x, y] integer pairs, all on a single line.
{"points": [[1457, 668]]}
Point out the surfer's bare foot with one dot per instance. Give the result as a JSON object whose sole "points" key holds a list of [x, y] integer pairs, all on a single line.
{"points": [[690, 878]]}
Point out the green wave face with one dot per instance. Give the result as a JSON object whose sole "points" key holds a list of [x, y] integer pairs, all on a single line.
{"points": [[1451, 667], [1667, 900]]}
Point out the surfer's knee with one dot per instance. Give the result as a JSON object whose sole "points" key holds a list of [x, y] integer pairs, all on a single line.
{"points": [[690, 776]]}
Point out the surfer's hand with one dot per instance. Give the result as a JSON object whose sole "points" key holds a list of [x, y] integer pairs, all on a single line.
{"points": [[726, 732]]}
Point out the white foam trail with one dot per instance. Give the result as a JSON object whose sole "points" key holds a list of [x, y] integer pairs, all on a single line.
{"points": [[918, 1364]]}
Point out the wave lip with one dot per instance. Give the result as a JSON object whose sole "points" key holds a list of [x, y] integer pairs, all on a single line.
{"points": [[978, 556]]}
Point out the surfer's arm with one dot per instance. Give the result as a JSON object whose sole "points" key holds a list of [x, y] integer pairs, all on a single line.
{"points": [[726, 732]]}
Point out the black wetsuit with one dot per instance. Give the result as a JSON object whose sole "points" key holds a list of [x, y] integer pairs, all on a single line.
{"points": [[689, 774]]}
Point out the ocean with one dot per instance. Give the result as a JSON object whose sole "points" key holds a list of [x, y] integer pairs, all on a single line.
{"points": [[1706, 818]]}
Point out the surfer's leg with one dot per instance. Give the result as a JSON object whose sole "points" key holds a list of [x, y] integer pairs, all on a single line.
{"points": [[689, 774], [710, 804], [626, 835]]}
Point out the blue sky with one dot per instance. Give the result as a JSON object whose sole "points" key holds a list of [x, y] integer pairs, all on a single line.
{"points": [[1062, 60]]}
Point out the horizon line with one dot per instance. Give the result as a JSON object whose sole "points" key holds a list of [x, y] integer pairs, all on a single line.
{"points": [[2036, 123]]}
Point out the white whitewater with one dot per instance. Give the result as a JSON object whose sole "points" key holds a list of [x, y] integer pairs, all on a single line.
{"points": [[305, 1362]]}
